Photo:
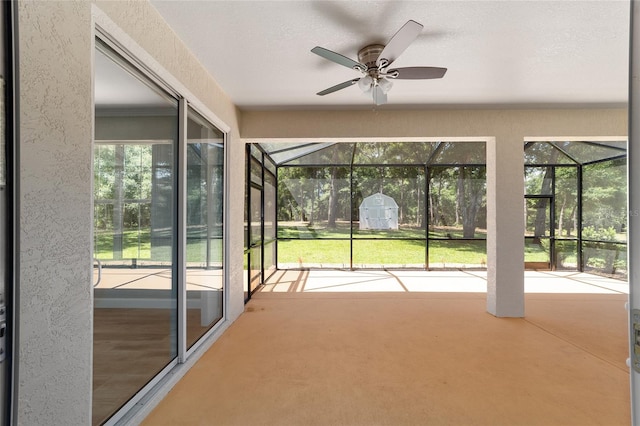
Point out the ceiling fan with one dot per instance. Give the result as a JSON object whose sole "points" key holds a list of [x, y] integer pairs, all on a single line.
{"points": [[374, 61]]}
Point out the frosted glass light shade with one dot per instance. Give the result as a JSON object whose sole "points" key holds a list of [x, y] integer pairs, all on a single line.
{"points": [[365, 83], [385, 85]]}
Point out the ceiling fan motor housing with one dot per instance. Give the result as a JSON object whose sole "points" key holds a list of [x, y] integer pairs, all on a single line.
{"points": [[368, 55]]}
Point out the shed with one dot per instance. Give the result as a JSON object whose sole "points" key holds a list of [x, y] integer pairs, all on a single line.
{"points": [[378, 211]]}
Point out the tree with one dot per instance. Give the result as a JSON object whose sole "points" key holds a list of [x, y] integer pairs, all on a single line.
{"points": [[471, 190]]}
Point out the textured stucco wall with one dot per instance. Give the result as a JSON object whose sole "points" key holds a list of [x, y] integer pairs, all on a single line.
{"points": [[55, 272]]}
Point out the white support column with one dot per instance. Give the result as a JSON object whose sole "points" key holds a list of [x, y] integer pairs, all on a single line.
{"points": [[505, 227]]}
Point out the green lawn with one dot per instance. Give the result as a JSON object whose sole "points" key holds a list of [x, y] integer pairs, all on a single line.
{"points": [[137, 245], [317, 249]]}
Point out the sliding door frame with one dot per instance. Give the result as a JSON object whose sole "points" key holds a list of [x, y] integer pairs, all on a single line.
{"points": [[104, 31]]}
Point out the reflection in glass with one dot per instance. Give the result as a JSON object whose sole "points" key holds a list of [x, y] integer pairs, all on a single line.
{"points": [[135, 309], [204, 217]]}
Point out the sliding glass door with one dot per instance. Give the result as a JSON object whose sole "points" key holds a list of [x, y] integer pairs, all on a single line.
{"points": [[135, 299], [158, 231], [204, 220]]}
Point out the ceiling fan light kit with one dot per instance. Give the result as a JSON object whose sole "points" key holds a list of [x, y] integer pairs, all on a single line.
{"points": [[374, 61]]}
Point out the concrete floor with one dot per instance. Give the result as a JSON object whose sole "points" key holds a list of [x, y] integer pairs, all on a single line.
{"points": [[312, 350]]}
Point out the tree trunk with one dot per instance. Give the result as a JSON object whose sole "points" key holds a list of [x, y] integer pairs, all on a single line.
{"points": [[470, 213], [470, 193], [419, 199], [401, 214], [460, 194], [333, 200], [561, 216]]}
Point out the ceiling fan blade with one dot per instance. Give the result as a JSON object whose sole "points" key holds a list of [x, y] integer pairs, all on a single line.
{"points": [[399, 42], [418, 73], [338, 58], [379, 97], [338, 87]]}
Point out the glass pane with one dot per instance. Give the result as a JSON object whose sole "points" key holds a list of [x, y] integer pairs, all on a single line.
{"points": [[566, 255], [457, 202], [205, 186], [389, 254], [460, 153], [604, 201], [313, 254], [608, 259], [388, 202], [135, 309], [457, 254], [313, 202]]}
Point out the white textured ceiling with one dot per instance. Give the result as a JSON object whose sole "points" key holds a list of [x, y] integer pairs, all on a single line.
{"points": [[498, 53]]}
